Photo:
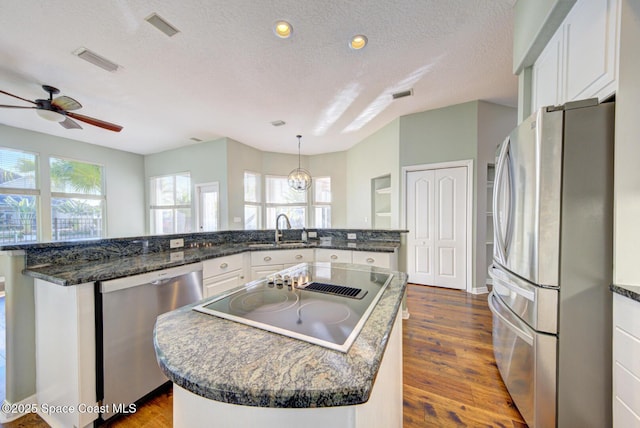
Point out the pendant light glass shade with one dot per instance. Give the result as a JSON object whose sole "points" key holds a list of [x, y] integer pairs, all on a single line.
{"points": [[299, 179]]}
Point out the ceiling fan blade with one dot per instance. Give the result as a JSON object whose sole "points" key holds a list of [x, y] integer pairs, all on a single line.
{"points": [[66, 103], [95, 122], [7, 106], [15, 96], [70, 124]]}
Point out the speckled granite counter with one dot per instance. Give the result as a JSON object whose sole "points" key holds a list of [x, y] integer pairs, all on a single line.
{"points": [[630, 291], [233, 363], [117, 267]]}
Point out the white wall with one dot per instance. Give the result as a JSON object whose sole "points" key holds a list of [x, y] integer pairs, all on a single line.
{"points": [[375, 156], [124, 176]]}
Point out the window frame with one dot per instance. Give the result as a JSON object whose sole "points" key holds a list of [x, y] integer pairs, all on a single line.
{"points": [[174, 208], [35, 192], [257, 204], [102, 197]]}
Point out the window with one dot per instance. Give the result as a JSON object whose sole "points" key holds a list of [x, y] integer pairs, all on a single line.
{"points": [[19, 196], [322, 202], [77, 199], [170, 199], [252, 205], [280, 198]]}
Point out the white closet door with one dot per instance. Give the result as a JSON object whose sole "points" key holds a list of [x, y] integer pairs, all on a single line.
{"points": [[436, 219]]}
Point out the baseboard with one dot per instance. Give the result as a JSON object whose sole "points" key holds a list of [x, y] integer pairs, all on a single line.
{"points": [[28, 405], [479, 290]]}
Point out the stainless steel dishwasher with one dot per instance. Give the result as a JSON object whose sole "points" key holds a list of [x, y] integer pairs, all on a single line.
{"points": [[127, 368]]}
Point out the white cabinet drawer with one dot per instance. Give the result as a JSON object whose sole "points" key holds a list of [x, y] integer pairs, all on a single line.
{"points": [[334, 256], [623, 417], [280, 257], [626, 349], [626, 362], [627, 387], [222, 265], [382, 260]]}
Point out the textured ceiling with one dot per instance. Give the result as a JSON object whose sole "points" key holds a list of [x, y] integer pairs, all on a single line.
{"points": [[226, 73]]}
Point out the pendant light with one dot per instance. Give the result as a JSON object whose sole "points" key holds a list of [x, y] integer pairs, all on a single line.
{"points": [[299, 179]]}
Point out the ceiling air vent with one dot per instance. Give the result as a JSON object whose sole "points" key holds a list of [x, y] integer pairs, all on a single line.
{"points": [[402, 94], [162, 25], [278, 122], [96, 59]]}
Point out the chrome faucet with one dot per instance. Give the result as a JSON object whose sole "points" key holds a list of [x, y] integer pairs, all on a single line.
{"points": [[278, 231]]}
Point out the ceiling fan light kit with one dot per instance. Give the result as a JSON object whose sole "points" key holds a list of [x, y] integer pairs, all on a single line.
{"points": [[299, 179]]}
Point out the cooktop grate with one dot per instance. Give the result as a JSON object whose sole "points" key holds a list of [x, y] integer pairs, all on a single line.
{"points": [[338, 290]]}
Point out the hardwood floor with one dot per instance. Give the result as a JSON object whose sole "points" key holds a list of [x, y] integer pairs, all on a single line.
{"points": [[450, 376]]}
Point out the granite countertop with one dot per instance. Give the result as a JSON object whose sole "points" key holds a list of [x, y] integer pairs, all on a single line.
{"points": [[234, 363], [630, 291], [118, 267]]}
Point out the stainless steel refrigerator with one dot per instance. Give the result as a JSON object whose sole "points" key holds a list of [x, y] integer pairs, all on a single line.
{"points": [[552, 265]]}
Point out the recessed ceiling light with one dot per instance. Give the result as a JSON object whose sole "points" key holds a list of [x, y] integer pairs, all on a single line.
{"points": [[278, 122], [358, 42], [196, 139], [283, 29]]}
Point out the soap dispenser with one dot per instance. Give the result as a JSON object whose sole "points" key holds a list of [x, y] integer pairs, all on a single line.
{"points": [[304, 235]]}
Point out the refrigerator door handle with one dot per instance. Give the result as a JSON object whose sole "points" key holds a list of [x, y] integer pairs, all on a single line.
{"points": [[498, 278], [512, 323], [497, 221]]}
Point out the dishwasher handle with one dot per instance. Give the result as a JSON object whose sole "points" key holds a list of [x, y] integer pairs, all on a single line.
{"points": [[155, 277]]}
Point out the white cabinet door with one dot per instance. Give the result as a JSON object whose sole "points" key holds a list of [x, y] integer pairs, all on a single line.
{"points": [[221, 283], [547, 75], [590, 34], [581, 59], [258, 272]]}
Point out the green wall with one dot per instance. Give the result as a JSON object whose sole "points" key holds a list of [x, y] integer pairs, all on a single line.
{"points": [[375, 156], [535, 23], [124, 176], [440, 135], [207, 162]]}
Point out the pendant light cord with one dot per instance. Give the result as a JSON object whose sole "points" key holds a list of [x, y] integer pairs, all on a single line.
{"points": [[298, 136]]}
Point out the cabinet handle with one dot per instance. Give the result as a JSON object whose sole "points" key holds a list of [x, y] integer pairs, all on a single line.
{"points": [[224, 266], [267, 259], [298, 256], [333, 257], [370, 260]]}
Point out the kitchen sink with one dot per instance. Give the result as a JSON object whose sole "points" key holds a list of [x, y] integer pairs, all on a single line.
{"points": [[290, 244]]}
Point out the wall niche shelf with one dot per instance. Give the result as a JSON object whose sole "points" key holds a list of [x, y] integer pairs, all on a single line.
{"points": [[381, 202]]}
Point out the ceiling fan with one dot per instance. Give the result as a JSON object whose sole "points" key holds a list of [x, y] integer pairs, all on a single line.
{"points": [[59, 109]]}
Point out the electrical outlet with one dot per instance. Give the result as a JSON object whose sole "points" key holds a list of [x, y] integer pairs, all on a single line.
{"points": [[351, 236], [176, 256], [176, 243], [313, 234]]}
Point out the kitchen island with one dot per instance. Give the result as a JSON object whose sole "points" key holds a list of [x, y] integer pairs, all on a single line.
{"points": [[230, 374]]}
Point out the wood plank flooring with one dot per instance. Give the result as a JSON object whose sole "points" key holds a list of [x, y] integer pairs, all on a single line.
{"points": [[450, 375]]}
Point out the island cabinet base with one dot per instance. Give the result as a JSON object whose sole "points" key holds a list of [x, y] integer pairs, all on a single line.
{"points": [[383, 410]]}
